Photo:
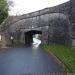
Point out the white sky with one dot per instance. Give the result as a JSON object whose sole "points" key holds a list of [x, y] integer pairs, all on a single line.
{"points": [[27, 6]]}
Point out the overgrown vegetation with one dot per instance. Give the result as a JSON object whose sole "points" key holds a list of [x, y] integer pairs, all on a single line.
{"points": [[3, 10], [65, 53]]}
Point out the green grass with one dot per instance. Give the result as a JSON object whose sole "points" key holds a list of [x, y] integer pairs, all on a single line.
{"points": [[65, 53]]}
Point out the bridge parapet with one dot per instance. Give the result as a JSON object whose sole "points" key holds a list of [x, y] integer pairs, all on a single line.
{"points": [[62, 8]]}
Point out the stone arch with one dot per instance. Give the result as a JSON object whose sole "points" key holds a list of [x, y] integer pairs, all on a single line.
{"points": [[55, 29]]}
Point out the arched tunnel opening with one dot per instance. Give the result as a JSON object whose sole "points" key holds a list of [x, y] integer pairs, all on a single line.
{"points": [[32, 36]]}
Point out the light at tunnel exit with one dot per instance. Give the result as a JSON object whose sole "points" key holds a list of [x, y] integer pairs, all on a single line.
{"points": [[36, 41]]}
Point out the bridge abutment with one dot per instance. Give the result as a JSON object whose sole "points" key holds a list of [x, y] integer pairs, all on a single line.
{"points": [[22, 38], [2, 41]]}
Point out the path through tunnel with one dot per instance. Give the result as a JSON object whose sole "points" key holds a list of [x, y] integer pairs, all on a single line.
{"points": [[30, 35]]}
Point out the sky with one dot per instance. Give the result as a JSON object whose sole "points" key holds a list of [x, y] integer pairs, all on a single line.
{"points": [[26, 6]]}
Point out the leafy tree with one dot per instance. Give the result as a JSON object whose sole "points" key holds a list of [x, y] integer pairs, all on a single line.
{"points": [[3, 10]]}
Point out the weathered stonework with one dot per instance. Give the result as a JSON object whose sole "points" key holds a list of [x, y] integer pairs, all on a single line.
{"points": [[52, 22], [2, 41], [72, 6]]}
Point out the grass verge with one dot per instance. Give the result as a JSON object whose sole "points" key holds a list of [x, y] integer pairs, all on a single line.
{"points": [[65, 53]]}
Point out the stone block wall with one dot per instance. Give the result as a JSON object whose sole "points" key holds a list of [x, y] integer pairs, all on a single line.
{"points": [[53, 22]]}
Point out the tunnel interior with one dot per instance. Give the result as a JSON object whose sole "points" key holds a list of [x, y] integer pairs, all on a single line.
{"points": [[29, 36]]}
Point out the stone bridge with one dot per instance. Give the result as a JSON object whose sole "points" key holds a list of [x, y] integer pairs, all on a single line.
{"points": [[51, 23]]}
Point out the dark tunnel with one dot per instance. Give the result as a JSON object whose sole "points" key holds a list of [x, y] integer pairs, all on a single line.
{"points": [[29, 36]]}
